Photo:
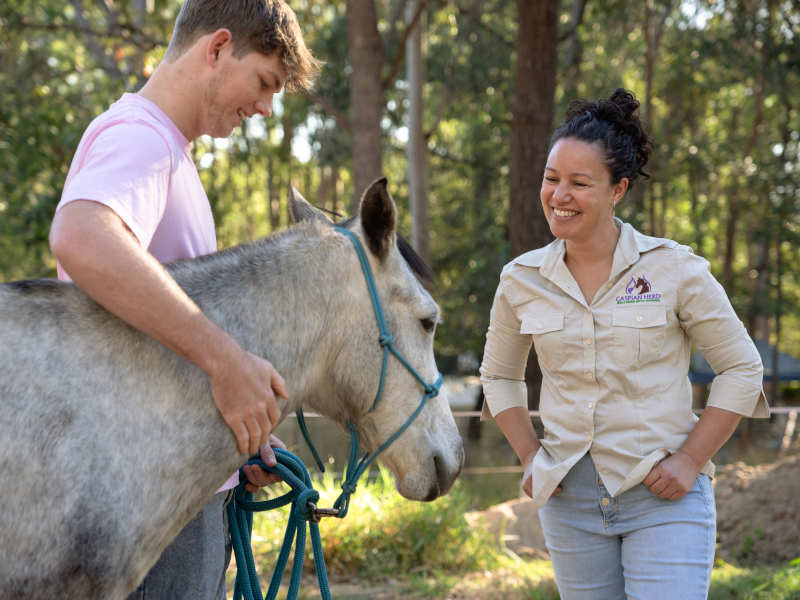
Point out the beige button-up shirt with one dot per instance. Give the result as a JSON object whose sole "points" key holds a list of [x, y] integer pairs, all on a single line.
{"points": [[615, 372]]}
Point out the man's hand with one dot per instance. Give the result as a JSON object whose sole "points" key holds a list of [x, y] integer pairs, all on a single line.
{"points": [[258, 477], [106, 260], [244, 390], [673, 477]]}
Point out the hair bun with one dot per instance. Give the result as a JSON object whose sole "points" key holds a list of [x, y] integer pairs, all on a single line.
{"points": [[625, 101], [615, 123]]}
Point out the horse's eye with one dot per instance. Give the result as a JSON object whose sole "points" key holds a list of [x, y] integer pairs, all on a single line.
{"points": [[427, 324]]}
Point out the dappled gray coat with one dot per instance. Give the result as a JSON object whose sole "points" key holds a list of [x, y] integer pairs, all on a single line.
{"points": [[110, 443]]}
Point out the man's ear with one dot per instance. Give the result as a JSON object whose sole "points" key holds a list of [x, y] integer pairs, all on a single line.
{"points": [[378, 218], [216, 43], [301, 210]]}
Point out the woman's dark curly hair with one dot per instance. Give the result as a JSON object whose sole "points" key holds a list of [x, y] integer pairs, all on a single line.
{"points": [[614, 124]]}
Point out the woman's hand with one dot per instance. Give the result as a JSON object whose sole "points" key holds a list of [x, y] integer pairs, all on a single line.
{"points": [[527, 476], [673, 477]]}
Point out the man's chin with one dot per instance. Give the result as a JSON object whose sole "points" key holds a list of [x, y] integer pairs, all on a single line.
{"points": [[222, 130]]}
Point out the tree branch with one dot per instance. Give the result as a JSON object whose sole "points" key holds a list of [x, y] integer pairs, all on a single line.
{"points": [[108, 64], [401, 47], [578, 8], [126, 33], [510, 44], [339, 116], [398, 9]]}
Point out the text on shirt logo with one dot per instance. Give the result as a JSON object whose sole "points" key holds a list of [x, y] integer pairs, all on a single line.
{"points": [[638, 290]]}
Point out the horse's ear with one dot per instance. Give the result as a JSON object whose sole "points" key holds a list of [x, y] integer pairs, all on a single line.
{"points": [[301, 210], [378, 218]]}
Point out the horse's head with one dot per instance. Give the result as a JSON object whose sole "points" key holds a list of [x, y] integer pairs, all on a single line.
{"points": [[426, 458]]}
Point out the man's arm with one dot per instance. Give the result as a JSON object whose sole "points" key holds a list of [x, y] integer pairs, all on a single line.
{"points": [[104, 258]]}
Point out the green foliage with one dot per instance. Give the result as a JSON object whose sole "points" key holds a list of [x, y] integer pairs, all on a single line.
{"points": [[725, 166], [729, 582], [384, 534], [746, 551]]}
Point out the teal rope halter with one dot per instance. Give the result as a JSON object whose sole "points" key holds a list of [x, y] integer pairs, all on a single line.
{"points": [[303, 497]]}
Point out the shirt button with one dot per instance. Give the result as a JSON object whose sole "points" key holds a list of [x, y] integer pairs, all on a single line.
{"points": [[639, 318], [587, 375], [588, 341], [605, 501], [590, 404]]}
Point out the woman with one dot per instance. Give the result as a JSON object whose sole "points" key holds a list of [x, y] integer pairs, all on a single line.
{"points": [[622, 474]]}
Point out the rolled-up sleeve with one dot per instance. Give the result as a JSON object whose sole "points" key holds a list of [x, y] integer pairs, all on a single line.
{"points": [[504, 358], [713, 327]]}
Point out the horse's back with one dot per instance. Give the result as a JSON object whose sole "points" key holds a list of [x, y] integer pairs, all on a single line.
{"points": [[70, 390]]}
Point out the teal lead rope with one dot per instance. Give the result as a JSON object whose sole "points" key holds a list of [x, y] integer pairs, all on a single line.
{"points": [[240, 523], [303, 497]]}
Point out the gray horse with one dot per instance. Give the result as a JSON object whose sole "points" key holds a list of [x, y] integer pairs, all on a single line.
{"points": [[109, 442]]}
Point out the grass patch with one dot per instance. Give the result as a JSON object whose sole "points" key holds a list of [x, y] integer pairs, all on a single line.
{"points": [[385, 535], [761, 582], [390, 548]]}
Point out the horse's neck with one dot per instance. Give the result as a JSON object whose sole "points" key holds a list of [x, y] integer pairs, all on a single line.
{"points": [[278, 298], [275, 299]]}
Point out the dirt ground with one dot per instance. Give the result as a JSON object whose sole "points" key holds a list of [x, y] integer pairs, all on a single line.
{"points": [[758, 511], [758, 515]]}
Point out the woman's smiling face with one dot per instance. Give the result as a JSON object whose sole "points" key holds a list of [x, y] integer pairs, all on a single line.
{"points": [[577, 195]]}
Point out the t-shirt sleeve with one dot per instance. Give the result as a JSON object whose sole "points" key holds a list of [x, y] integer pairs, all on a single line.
{"points": [[126, 167]]}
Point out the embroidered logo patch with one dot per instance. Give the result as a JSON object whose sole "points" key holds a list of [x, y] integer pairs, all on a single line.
{"points": [[638, 290]]}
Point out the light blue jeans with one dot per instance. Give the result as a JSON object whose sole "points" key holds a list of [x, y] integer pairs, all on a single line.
{"points": [[635, 546]]}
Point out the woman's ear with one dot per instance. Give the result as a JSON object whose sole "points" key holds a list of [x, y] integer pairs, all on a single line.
{"points": [[619, 190]]}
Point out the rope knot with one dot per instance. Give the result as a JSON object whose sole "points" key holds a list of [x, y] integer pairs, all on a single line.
{"points": [[304, 499], [385, 339], [348, 488], [431, 390]]}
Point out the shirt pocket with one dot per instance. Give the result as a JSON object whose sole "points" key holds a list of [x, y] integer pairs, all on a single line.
{"points": [[639, 333], [546, 327]]}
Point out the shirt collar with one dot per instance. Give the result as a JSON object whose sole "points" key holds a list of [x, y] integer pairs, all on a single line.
{"points": [[630, 246]]}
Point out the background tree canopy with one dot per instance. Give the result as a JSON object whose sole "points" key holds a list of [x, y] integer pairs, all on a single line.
{"points": [[718, 81]]}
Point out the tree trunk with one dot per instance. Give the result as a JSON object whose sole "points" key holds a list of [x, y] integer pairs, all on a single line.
{"points": [[273, 200], [656, 13], [531, 124], [365, 52], [734, 200], [574, 51], [417, 148]]}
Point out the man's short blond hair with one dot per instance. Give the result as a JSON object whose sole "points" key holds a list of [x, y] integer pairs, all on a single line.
{"points": [[265, 26]]}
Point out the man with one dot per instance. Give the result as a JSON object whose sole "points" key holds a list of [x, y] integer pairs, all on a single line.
{"points": [[133, 199]]}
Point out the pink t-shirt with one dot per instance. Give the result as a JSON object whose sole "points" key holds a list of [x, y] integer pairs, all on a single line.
{"points": [[133, 159]]}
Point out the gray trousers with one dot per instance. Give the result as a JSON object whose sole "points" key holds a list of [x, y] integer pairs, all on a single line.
{"points": [[193, 566]]}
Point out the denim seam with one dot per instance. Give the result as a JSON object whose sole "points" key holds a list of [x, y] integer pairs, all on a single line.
{"points": [[711, 538]]}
